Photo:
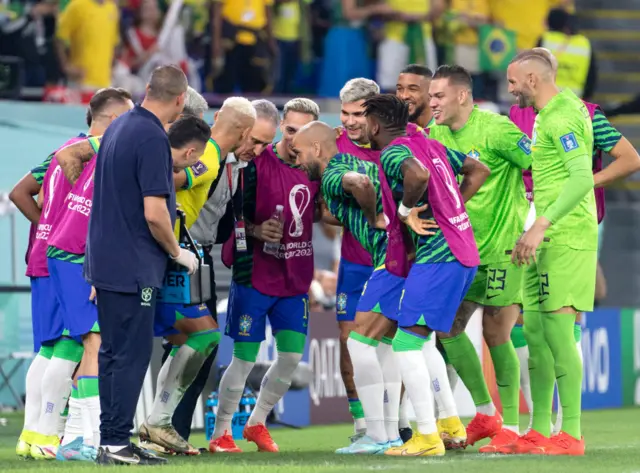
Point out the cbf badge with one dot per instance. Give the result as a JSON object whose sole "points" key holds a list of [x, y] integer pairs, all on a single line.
{"points": [[245, 325], [241, 236], [341, 302]]}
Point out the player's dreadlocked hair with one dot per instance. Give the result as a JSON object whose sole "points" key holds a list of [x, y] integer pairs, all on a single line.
{"points": [[392, 112]]}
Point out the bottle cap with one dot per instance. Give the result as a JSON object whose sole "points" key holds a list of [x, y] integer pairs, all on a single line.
{"points": [[280, 208]]}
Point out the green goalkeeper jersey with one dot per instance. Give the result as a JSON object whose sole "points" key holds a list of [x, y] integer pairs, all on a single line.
{"points": [[498, 210], [562, 132]]}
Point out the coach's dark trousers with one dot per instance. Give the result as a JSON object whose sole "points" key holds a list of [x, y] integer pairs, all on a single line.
{"points": [[126, 326]]}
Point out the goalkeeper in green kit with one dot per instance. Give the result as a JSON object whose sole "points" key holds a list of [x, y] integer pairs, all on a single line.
{"points": [[560, 250]]}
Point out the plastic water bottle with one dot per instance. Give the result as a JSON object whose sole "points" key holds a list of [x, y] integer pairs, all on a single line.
{"points": [[272, 248]]}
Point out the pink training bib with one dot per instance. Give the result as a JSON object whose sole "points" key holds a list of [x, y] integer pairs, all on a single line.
{"points": [[55, 189], [70, 232]]}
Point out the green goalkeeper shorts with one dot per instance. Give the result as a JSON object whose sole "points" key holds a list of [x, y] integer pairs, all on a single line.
{"points": [[498, 285], [562, 277]]}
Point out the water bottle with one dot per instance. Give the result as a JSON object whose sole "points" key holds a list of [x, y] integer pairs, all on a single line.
{"points": [[250, 401], [272, 248]]}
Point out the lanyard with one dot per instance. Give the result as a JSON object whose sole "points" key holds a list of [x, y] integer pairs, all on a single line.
{"points": [[237, 216]]}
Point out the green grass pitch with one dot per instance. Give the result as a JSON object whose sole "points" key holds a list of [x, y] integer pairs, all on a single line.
{"points": [[613, 445]]}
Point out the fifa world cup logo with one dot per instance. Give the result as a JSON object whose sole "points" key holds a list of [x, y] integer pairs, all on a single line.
{"points": [[88, 183], [448, 181], [299, 200], [52, 189]]}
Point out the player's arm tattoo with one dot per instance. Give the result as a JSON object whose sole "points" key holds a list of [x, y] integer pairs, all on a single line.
{"points": [[362, 189], [415, 178], [73, 158], [475, 173]]}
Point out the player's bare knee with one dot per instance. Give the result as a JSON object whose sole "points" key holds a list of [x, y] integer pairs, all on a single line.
{"points": [[91, 343]]}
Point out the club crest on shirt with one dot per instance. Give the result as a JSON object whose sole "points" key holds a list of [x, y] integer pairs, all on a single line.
{"points": [[473, 154], [199, 168], [245, 325], [569, 142], [341, 302]]}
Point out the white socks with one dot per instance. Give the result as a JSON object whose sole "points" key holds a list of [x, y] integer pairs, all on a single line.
{"points": [[439, 381], [275, 384], [56, 387], [33, 388], [557, 427], [525, 381], [414, 371], [74, 427], [403, 422], [229, 394], [162, 376], [392, 389], [183, 369], [452, 374], [91, 406], [367, 376]]}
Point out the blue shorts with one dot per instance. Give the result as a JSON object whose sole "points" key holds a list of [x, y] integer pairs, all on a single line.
{"points": [[351, 280], [168, 314], [248, 311], [382, 294], [432, 294], [79, 314], [46, 313]]}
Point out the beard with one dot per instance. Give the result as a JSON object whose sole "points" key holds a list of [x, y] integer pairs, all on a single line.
{"points": [[416, 114], [313, 171]]}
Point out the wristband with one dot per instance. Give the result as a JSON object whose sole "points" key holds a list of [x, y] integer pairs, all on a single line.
{"points": [[403, 210]]}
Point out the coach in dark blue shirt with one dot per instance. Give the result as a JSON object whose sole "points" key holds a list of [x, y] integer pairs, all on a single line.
{"points": [[129, 243]]}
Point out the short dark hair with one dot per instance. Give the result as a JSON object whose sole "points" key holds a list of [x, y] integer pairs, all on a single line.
{"points": [[457, 75], [167, 83], [186, 129], [417, 69], [103, 98], [391, 112]]}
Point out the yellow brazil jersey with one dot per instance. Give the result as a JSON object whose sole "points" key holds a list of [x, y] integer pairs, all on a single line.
{"points": [[286, 23], [526, 18], [396, 30], [473, 8], [90, 30], [200, 176], [251, 14]]}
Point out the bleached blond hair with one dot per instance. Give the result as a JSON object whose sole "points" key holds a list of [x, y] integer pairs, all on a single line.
{"points": [[358, 89], [240, 105], [302, 105]]}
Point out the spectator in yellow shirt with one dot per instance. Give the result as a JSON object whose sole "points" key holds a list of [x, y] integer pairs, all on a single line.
{"points": [[243, 45], [290, 23], [527, 18], [87, 39], [408, 39]]}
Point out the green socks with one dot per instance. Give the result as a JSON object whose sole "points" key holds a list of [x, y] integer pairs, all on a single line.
{"points": [[355, 408], [541, 372], [507, 368], [462, 355], [559, 333]]}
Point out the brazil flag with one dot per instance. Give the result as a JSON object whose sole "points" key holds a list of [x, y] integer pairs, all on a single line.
{"points": [[497, 47]]}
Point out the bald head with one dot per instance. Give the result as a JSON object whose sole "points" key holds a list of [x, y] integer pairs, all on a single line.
{"points": [[314, 145], [317, 132]]}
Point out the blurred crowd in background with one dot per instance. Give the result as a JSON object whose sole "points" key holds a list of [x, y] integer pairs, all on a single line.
{"points": [[282, 47], [68, 49]]}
